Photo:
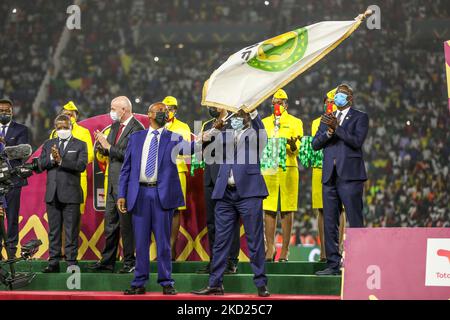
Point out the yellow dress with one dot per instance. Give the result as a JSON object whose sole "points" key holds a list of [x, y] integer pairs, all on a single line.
{"points": [[283, 183], [317, 201], [83, 134], [183, 130]]}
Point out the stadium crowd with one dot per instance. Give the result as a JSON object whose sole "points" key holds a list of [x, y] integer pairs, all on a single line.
{"points": [[399, 82]]}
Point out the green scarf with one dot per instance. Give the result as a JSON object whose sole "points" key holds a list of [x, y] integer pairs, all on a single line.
{"points": [[308, 156], [274, 154]]}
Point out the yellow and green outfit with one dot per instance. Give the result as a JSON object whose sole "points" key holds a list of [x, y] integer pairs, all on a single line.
{"points": [[183, 130], [317, 201], [279, 163]]}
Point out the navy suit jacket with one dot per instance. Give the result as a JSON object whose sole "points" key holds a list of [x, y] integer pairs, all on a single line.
{"points": [[247, 174], [345, 146], [168, 187], [17, 134]]}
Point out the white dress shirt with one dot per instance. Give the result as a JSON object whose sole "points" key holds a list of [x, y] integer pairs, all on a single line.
{"points": [[145, 149], [237, 135], [344, 114], [125, 123]]}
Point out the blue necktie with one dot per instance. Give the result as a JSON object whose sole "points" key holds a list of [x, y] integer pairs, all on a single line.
{"points": [[3, 133], [151, 158]]}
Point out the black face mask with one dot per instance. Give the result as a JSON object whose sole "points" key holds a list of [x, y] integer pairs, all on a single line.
{"points": [[214, 113], [5, 118], [161, 118]]}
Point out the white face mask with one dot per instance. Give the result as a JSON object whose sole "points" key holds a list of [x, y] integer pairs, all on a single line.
{"points": [[114, 116], [64, 134]]}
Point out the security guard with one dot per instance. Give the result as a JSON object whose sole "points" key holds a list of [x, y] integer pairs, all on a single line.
{"points": [[284, 132], [177, 126], [83, 134], [317, 201]]}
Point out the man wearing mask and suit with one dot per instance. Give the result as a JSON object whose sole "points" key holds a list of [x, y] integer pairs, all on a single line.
{"points": [[209, 180], [341, 135], [64, 158], [13, 134], [116, 225], [239, 192], [150, 190]]}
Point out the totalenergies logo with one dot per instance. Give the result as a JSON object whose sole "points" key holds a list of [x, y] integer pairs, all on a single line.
{"points": [[444, 253]]}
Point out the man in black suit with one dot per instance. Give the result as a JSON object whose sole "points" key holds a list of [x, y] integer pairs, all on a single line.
{"points": [[209, 180], [116, 224], [64, 158], [13, 134]]}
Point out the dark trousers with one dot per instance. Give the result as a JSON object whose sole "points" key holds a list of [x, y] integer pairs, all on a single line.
{"points": [[336, 193], [117, 225], [12, 214], [228, 210], [149, 216], [61, 215], [211, 224]]}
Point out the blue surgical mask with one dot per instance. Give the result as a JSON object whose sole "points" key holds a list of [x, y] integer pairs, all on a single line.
{"points": [[340, 99], [237, 123]]}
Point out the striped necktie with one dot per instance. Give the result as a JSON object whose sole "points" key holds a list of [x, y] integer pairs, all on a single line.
{"points": [[152, 152]]}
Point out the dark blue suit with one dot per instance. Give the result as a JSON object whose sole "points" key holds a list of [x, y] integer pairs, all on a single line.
{"points": [[243, 200], [209, 180], [152, 208], [17, 134], [343, 176]]}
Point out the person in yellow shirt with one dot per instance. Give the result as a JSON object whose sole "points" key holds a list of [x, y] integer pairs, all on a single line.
{"points": [[83, 134], [317, 201], [280, 171], [177, 126]]}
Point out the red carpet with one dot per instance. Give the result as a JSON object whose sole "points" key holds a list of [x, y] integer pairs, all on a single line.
{"points": [[112, 295]]}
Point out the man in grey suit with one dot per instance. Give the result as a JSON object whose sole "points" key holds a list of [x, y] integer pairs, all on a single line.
{"points": [[64, 158], [116, 224]]}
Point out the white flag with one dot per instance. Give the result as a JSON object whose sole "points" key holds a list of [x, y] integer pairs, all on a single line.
{"points": [[253, 74]]}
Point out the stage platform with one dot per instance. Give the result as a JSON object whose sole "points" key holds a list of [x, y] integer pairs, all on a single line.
{"points": [[288, 280]]}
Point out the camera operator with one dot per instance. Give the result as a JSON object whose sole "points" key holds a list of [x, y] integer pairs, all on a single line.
{"points": [[64, 158], [12, 134]]}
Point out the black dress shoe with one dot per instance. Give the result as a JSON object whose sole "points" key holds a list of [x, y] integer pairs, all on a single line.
{"points": [[217, 291], [98, 266], [205, 269], [134, 290], [231, 268], [169, 290], [127, 269], [263, 291], [51, 269], [329, 272]]}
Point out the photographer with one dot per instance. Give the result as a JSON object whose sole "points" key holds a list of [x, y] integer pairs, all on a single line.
{"points": [[12, 134], [64, 158]]}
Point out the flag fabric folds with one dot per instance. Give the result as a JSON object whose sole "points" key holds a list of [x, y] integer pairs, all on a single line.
{"points": [[254, 73]]}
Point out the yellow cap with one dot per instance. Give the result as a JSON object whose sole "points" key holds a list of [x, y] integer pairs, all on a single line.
{"points": [[331, 94], [280, 94], [170, 101], [70, 106]]}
